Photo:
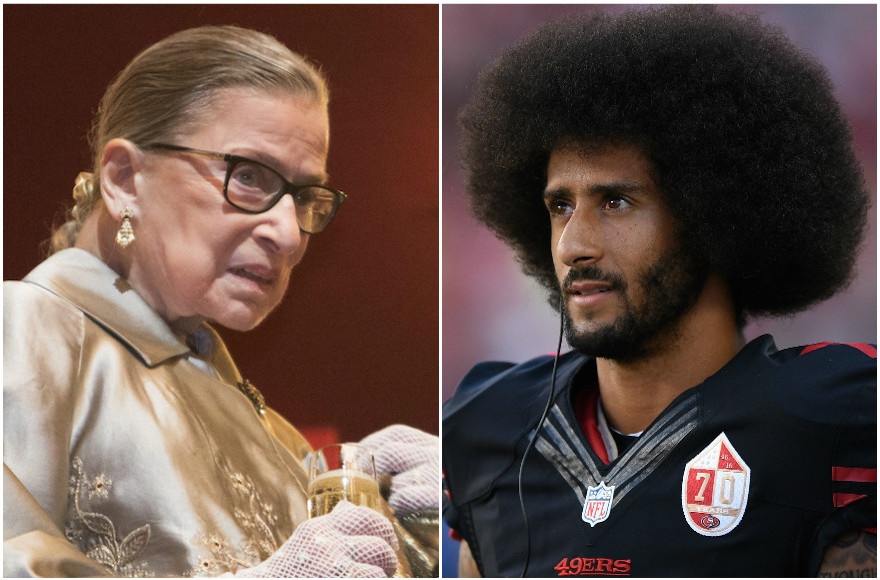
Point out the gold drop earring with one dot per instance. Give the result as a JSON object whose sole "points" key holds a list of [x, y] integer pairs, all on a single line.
{"points": [[125, 235]]}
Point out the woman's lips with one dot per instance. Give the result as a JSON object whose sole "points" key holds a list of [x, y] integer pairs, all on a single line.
{"points": [[260, 275]]}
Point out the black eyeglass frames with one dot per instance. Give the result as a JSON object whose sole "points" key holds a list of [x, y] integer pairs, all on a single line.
{"points": [[254, 187]]}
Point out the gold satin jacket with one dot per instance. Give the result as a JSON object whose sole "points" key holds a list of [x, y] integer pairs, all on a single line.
{"points": [[126, 451]]}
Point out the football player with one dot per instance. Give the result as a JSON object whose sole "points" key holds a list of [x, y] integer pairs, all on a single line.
{"points": [[665, 174]]}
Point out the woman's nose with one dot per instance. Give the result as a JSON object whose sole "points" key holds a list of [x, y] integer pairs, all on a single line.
{"points": [[280, 227]]}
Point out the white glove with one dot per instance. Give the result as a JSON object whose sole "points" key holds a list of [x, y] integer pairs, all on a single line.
{"points": [[412, 458], [351, 541]]}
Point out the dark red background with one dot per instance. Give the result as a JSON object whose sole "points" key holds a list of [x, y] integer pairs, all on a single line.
{"points": [[355, 344]]}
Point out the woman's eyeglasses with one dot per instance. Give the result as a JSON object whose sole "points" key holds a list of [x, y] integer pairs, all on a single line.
{"points": [[254, 187]]}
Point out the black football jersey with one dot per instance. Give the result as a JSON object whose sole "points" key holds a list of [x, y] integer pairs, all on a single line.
{"points": [[752, 473]]}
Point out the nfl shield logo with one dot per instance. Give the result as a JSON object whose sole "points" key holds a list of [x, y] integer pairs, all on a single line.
{"points": [[598, 504], [715, 489]]}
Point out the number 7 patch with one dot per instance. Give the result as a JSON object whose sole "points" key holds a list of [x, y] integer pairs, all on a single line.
{"points": [[715, 489]]}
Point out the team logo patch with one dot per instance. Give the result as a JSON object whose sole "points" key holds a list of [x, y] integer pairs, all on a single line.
{"points": [[715, 489], [598, 504]]}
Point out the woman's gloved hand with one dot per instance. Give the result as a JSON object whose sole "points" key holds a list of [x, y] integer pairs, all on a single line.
{"points": [[350, 541], [412, 458]]}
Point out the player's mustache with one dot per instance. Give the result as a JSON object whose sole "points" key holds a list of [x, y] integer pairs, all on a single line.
{"points": [[595, 274]]}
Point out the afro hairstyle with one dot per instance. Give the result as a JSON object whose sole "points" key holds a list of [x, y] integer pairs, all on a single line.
{"points": [[751, 150]]}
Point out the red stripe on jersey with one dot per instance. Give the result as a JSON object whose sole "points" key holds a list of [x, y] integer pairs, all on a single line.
{"points": [[842, 499], [455, 535], [869, 350], [861, 474], [586, 409]]}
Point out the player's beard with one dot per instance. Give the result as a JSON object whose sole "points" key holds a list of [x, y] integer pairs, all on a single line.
{"points": [[666, 290]]}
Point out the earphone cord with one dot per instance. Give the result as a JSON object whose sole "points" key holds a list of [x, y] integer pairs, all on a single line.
{"points": [[531, 444]]}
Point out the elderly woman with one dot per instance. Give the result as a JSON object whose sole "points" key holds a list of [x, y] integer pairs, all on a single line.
{"points": [[132, 445]]}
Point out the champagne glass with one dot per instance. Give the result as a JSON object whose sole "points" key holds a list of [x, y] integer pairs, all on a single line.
{"points": [[347, 471], [342, 471]]}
